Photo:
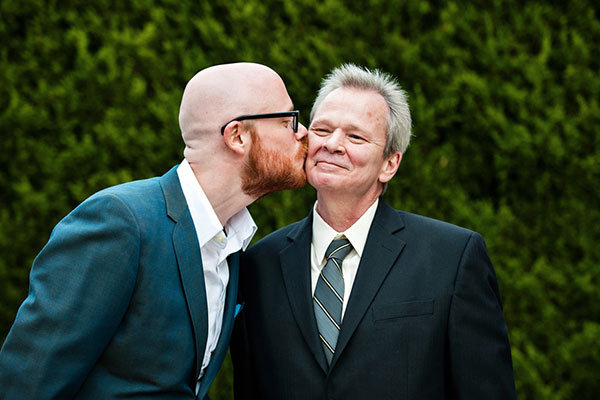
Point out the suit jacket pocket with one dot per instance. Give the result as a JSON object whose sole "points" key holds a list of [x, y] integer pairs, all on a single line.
{"points": [[402, 310]]}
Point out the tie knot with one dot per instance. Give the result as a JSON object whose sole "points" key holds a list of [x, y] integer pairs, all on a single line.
{"points": [[338, 249]]}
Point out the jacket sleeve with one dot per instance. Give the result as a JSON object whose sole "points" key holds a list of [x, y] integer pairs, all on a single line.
{"points": [[80, 287], [480, 360]]}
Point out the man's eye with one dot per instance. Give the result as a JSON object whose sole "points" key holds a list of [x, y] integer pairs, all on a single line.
{"points": [[356, 138], [320, 131]]}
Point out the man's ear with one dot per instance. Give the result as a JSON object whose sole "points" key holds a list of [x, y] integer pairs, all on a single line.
{"points": [[236, 137], [389, 167]]}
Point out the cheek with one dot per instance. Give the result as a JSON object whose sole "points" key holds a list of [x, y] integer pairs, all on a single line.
{"points": [[309, 165], [314, 141], [313, 146], [279, 145], [310, 173]]}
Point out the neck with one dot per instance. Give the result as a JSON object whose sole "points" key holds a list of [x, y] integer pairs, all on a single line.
{"points": [[225, 194], [341, 212]]}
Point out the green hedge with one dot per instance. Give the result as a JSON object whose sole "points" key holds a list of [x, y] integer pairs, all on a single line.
{"points": [[505, 102]]}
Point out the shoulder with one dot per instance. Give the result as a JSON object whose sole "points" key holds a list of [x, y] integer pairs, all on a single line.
{"points": [[275, 241], [280, 236], [428, 231], [444, 245], [133, 191], [136, 196], [431, 225], [128, 203]]}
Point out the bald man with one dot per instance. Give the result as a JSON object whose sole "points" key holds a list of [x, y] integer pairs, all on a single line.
{"points": [[134, 294]]}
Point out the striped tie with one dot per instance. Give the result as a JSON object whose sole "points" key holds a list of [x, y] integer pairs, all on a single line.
{"points": [[329, 296]]}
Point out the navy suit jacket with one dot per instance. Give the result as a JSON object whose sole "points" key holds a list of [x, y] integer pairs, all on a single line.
{"points": [[423, 321], [117, 303]]}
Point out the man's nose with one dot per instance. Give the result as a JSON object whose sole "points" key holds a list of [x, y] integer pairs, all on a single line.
{"points": [[333, 144], [302, 132]]}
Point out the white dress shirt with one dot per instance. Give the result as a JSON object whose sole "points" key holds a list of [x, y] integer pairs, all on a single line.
{"points": [[323, 234], [216, 244]]}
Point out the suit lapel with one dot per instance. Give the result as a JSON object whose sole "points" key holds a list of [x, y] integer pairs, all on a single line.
{"points": [[189, 260], [295, 267], [380, 253]]}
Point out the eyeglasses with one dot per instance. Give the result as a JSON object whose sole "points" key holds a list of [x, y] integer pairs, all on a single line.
{"points": [[294, 114]]}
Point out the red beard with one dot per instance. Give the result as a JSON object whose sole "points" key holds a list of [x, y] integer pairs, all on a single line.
{"points": [[268, 171]]}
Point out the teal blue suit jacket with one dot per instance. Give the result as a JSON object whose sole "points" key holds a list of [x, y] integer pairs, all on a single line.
{"points": [[117, 303]]}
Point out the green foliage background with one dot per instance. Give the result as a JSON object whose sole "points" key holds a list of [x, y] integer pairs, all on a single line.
{"points": [[505, 102]]}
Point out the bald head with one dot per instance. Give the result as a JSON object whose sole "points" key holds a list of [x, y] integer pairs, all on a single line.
{"points": [[220, 93]]}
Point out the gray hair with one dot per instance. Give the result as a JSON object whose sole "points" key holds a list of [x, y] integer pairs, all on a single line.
{"points": [[351, 76]]}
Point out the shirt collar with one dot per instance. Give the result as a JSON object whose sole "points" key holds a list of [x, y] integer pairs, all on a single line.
{"points": [[357, 234], [240, 227]]}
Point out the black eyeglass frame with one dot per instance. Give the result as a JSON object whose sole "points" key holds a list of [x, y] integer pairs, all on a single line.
{"points": [[294, 114]]}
